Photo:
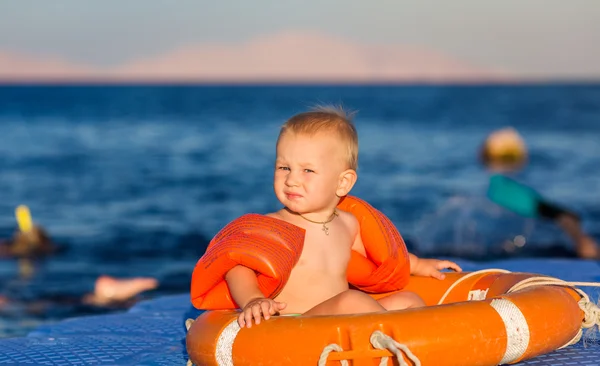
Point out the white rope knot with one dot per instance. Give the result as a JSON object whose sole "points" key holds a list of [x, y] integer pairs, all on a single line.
{"points": [[592, 313], [327, 350], [381, 341]]}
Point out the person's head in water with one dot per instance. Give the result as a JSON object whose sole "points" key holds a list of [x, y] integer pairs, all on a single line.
{"points": [[504, 150], [30, 240]]}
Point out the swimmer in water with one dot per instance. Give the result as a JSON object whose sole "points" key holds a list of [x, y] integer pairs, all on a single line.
{"points": [[29, 240], [109, 293], [504, 151]]}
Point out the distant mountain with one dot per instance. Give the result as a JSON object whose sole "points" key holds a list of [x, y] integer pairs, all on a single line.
{"points": [[285, 57], [20, 67]]}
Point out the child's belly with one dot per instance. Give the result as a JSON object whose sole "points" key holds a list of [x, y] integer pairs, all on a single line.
{"points": [[303, 292]]}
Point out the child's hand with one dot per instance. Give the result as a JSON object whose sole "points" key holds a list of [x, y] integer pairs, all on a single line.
{"points": [[432, 268], [258, 308]]}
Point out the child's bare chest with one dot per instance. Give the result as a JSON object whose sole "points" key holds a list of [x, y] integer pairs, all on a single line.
{"points": [[322, 250]]}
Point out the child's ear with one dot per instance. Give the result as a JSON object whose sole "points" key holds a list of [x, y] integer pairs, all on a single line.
{"points": [[346, 182]]}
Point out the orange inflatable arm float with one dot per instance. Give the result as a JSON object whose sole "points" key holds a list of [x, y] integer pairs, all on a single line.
{"points": [[387, 265], [272, 247], [269, 246]]}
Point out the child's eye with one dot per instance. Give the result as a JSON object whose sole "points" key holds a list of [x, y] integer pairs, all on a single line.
{"points": [[283, 168], [309, 171]]}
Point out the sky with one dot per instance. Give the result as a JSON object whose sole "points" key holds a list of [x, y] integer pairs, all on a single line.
{"points": [[528, 37]]}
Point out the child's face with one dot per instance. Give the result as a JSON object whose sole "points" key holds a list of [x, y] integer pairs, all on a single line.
{"points": [[307, 171]]}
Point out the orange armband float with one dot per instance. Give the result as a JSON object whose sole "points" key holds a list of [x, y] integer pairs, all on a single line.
{"points": [[269, 246], [387, 265]]}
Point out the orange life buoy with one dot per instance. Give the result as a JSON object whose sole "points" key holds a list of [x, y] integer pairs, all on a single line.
{"points": [[272, 247], [480, 322]]}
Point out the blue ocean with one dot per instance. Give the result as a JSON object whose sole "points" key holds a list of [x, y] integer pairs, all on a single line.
{"points": [[134, 180]]}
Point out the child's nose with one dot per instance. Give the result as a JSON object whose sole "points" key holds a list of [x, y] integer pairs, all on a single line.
{"points": [[292, 179]]}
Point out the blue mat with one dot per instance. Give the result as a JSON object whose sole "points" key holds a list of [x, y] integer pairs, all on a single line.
{"points": [[153, 332]]}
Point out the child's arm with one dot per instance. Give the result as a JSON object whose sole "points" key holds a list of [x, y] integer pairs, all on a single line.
{"points": [[430, 267], [413, 262], [244, 289], [243, 285]]}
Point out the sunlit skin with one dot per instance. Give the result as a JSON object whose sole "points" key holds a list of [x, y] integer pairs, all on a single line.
{"points": [[311, 175]]}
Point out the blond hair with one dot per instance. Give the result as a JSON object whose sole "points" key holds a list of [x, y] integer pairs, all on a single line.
{"points": [[327, 119]]}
